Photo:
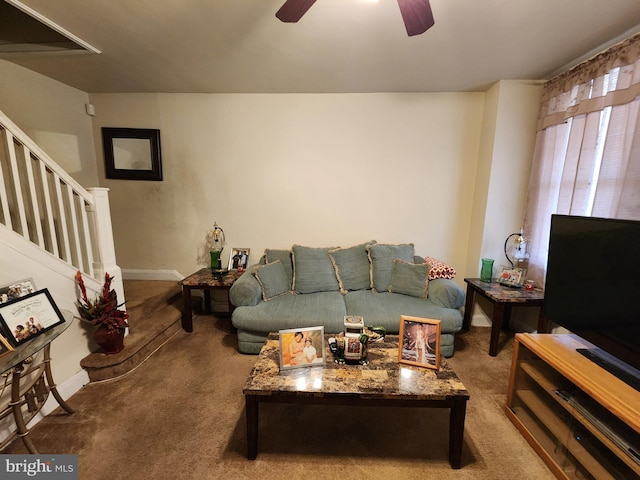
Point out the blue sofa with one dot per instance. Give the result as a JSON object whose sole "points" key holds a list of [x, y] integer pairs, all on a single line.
{"points": [[309, 286]]}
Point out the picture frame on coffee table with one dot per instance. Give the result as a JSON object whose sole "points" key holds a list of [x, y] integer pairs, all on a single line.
{"points": [[301, 347], [419, 342]]}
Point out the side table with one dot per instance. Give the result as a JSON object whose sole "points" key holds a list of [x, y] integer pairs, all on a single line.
{"points": [[204, 280], [31, 380], [503, 298]]}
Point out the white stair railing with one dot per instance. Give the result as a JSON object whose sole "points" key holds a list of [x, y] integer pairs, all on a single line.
{"points": [[46, 206]]}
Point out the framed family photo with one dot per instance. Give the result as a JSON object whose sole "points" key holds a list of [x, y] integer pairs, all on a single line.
{"points": [[239, 258], [27, 317], [16, 290], [301, 347], [419, 342]]}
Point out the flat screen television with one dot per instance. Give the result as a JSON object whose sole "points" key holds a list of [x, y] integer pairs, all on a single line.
{"points": [[592, 287]]}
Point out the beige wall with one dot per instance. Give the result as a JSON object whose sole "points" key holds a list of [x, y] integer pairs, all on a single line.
{"points": [[274, 170], [504, 165], [54, 116]]}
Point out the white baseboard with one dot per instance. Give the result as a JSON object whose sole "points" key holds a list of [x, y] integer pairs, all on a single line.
{"points": [[135, 274], [479, 320], [518, 323]]}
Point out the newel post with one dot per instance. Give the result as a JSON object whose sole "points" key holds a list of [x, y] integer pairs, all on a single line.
{"points": [[104, 248]]}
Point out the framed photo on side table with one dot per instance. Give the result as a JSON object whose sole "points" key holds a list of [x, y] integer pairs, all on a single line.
{"points": [[16, 290], [27, 317], [513, 277], [301, 347], [239, 258], [419, 342]]}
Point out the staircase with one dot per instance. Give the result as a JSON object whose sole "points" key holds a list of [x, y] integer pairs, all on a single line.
{"points": [[155, 309]]}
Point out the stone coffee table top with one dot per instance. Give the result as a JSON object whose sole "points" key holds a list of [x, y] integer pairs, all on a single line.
{"points": [[383, 378]]}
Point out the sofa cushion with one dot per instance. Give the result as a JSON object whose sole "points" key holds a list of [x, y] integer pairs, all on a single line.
{"points": [[381, 257], [410, 279], [271, 255], [439, 269], [313, 270], [293, 311], [385, 309], [352, 267], [273, 280]]}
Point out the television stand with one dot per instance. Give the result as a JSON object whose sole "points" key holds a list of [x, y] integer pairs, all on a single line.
{"points": [[583, 421], [613, 365]]}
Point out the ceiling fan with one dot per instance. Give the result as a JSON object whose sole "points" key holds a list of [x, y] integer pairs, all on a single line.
{"points": [[416, 14]]}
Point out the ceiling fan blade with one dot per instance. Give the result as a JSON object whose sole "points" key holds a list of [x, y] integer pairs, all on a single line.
{"points": [[293, 10], [417, 16]]}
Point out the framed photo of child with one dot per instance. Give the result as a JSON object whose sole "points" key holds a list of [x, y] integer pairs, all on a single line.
{"points": [[301, 347], [419, 342]]}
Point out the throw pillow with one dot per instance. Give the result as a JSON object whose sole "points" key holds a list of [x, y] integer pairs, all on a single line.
{"points": [[381, 257], [439, 269], [313, 270], [352, 267], [410, 279], [273, 280], [271, 255]]}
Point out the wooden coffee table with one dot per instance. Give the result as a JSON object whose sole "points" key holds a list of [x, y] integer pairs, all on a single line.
{"points": [[386, 383]]}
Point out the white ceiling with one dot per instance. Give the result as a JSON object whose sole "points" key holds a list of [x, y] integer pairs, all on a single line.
{"points": [[239, 46]]}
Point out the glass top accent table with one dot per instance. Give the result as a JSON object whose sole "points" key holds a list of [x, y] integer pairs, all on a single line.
{"points": [[29, 370], [383, 382]]}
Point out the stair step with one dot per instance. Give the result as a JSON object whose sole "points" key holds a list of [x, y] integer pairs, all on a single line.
{"points": [[155, 310]]}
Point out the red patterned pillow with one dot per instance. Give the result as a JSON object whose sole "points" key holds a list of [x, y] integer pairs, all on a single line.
{"points": [[439, 269]]}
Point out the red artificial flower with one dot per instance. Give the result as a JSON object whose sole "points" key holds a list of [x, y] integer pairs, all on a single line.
{"points": [[104, 311]]}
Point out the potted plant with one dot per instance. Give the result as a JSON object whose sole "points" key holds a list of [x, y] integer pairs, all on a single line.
{"points": [[104, 312]]}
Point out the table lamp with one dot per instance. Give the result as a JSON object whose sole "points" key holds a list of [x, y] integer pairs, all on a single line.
{"points": [[216, 242], [516, 251]]}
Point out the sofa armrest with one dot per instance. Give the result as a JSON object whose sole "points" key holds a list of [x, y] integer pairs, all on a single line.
{"points": [[246, 291], [446, 293]]}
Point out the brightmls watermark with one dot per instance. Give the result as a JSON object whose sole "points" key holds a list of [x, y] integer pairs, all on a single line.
{"points": [[49, 467]]}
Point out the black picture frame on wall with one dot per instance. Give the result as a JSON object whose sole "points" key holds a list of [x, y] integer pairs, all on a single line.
{"points": [[132, 153]]}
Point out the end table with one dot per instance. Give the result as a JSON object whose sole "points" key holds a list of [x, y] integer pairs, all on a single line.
{"points": [[28, 372], [503, 298], [204, 280]]}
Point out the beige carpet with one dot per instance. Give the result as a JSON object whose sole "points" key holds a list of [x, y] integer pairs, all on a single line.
{"points": [[180, 415]]}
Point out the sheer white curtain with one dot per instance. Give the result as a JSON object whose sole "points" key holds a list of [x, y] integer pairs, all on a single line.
{"points": [[587, 153]]}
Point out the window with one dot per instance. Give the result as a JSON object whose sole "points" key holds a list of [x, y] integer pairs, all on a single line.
{"points": [[587, 154]]}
